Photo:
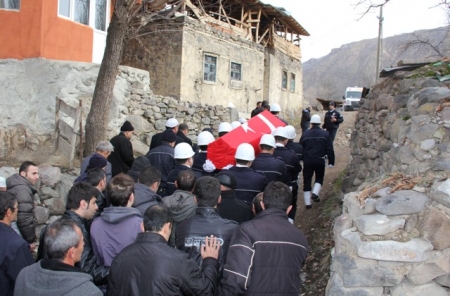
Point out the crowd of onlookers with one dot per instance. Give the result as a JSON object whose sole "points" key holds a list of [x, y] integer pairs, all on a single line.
{"points": [[170, 222]]}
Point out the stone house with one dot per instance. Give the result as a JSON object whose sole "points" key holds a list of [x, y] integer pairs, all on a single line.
{"points": [[222, 52]]}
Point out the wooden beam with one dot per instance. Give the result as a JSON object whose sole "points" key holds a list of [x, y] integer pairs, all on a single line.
{"points": [[264, 35], [257, 25], [195, 10]]}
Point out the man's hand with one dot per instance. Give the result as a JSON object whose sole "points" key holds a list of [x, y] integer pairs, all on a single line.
{"points": [[210, 248]]}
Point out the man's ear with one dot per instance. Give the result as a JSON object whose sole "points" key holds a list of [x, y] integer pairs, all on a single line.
{"points": [[83, 204], [220, 199], [261, 203], [195, 199], [142, 227], [23, 174], [131, 199], [289, 209], [176, 184]]}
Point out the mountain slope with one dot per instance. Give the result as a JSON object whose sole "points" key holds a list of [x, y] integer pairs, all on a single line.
{"points": [[353, 64]]}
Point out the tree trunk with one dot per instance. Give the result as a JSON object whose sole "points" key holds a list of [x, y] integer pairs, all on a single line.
{"points": [[98, 117]]}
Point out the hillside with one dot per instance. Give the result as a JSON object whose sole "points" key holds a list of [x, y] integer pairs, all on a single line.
{"points": [[354, 63]]}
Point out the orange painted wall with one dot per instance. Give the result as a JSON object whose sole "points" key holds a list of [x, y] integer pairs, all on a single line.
{"points": [[37, 31]]}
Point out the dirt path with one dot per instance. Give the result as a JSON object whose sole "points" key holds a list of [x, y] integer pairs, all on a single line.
{"points": [[316, 223]]}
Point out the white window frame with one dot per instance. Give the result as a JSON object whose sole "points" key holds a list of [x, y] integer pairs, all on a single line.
{"points": [[72, 13], [284, 87], [6, 3], [240, 71], [92, 14], [203, 67], [292, 77]]}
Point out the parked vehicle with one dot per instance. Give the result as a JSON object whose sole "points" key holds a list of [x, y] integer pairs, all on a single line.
{"points": [[353, 96]]}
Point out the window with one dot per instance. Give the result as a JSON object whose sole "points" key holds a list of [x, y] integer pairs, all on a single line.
{"points": [[235, 71], [284, 80], [292, 82], [10, 4], [76, 10], [210, 68], [100, 15]]}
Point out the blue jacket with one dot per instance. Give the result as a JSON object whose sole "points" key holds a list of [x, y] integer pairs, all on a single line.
{"points": [[316, 144], [249, 182], [291, 161], [162, 158], [272, 167], [14, 256]]}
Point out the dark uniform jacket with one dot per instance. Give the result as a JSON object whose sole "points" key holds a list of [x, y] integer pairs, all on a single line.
{"points": [[291, 162], [265, 257], [122, 157], [162, 158], [88, 262], [157, 140], [184, 137], [249, 182], [234, 209], [272, 167], [296, 147], [316, 144], [306, 118], [14, 256], [190, 234], [24, 192], [328, 124], [173, 175], [150, 267], [200, 158]]}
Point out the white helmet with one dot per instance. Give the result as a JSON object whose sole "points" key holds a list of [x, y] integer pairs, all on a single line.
{"points": [[275, 107], [242, 120], [183, 151], [225, 127], [235, 124], [290, 132], [315, 119], [267, 139], [245, 151], [204, 138], [281, 132]]}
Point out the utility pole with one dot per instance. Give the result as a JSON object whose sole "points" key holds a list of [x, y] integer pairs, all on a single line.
{"points": [[380, 44]]}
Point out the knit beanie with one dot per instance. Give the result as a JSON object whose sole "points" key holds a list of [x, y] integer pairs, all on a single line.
{"points": [[96, 161], [127, 127]]}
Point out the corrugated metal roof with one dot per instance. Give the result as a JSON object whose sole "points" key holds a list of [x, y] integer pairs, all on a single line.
{"points": [[281, 14], [275, 12]]}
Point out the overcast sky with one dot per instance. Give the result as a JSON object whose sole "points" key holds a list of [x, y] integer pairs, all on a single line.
{"points": [[332, 23]]}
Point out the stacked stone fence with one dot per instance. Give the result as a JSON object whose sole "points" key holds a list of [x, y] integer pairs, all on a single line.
{"points": [[392, 239]]}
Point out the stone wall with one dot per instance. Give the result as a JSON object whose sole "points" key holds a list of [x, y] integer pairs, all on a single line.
{"points": [[392, 238], [30, 88]]}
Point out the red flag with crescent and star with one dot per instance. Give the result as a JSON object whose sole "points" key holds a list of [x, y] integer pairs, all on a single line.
{"points": [[221, 151]]}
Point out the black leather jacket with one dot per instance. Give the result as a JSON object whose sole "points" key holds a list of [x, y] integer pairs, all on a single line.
{"points": [[191, 233], [150, 267], [88, 262]]}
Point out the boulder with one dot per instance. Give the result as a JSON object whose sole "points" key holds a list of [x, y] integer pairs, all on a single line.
{"points": [[49, 175], [41, 214], [378, 224], [406, 288], [402, 202], [57, 206], [435, 227]]}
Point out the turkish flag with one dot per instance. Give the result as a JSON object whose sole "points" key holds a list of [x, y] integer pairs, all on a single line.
{"points": [[221, 151]]}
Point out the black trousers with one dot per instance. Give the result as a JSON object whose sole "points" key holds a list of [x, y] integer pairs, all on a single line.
{"points": [[332, 134], [294, 200], [311, 169]]}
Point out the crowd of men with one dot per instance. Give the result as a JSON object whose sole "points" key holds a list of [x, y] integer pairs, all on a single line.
{"points": [[170, 222]]}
